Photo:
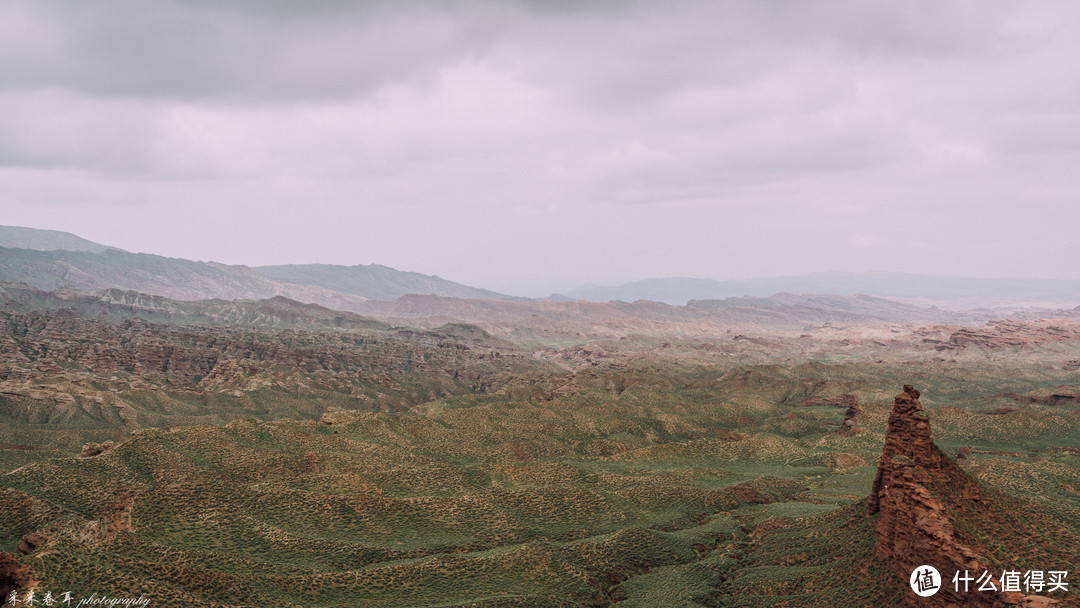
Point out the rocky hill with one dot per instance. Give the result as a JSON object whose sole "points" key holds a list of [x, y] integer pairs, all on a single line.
{"points": [[118, 305], [69, 376]]}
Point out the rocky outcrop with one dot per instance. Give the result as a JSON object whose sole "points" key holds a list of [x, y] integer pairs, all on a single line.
{"points": [[93, 449], [914, 525], [30, 543], [336, 416], [851, 415], [1011, 333], [1057, 398]]}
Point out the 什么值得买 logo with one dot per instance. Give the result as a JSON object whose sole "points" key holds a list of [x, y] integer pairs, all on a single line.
{"points": [[925, 581]]}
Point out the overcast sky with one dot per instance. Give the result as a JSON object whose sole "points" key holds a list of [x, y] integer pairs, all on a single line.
{"points": [[531, 147]]}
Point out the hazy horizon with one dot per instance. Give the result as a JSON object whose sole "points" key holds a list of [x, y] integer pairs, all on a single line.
{"points": [[522, 289], [533, 148]]}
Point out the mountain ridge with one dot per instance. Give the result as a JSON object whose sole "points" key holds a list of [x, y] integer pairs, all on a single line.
{"points": [[49, 259], [174, 278], [20, 237], [374, 281]]}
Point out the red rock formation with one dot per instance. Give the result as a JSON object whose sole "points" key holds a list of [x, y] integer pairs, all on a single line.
{"points": [[1011, 333], [851, 415], [31, 542], [93, 449], [14, 576], [914, 527]]}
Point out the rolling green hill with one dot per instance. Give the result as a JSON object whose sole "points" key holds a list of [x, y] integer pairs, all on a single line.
{"points": [[233, 465]]}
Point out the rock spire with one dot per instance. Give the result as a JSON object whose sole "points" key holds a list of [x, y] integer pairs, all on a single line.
{"points": [[915, 481]]}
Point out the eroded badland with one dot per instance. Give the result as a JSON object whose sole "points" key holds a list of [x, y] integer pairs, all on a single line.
{"points": [[482, 453]]}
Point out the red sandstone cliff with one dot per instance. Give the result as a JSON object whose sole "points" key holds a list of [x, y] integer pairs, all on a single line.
{"points": [[916, 496]]}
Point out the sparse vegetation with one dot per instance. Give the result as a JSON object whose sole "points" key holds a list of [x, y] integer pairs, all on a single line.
{"points": [[278, 467]]}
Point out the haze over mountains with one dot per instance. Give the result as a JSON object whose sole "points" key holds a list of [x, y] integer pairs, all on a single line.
{"points": [[49, 259], [956, 292]]}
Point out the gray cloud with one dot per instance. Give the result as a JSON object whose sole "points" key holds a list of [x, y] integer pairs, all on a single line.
{"points": [[239, 51], [536, 142]]}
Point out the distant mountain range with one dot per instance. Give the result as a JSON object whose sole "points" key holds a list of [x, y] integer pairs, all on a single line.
{"points": [[524, 320], [956, 292], [49, 259], [507, 318], [157, 275]]}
